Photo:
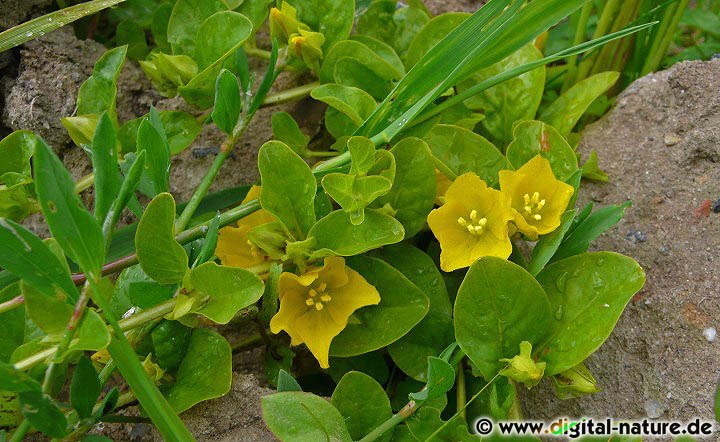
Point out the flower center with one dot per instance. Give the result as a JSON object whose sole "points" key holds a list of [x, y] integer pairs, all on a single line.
{"points": [[533, 205], [318, 297], [476, 225]]}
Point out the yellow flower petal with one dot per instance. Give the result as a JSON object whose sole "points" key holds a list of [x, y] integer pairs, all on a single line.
{"points": [[471, 224], [538, 198], [315, 307], [233, 248], [443, 184]]}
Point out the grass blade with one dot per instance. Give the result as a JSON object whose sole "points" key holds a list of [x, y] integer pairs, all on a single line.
{"points": [[40, 26]]}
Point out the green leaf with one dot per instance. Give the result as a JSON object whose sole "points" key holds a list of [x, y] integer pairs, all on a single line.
{"points": [[132, 34], [229, 289], [285, 382], [85, 387], [43, 413], [157, 155], [169, 72], [547, 246], [363, 404], [565, 112], [185, 21], [579, 238], [371, 176], [402, 305], [205, 372], [375, 68], [159, 26], [286, 130], [588, 293], [170, 341], [71, 224], [427, 420], [440, 379], [458, 151], [336, 234], [159, 254], [298, 416], [512, 101], [435, 332], [105, 166], [226, 112], [413, 190], [16, 150], [332, 18], [13, 325], [181, 129], [288, 187], [219, 37], [534, 138], [395, 26], [93, 334], [218, 34], [349, 106], [14, 380], [29, 258], [498, 306], [16, 196], [385, 51], [431, 33], [591, 170], [97, 94]]}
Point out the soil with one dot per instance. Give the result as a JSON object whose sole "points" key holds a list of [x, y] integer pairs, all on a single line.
{"points": [[660, 146]]}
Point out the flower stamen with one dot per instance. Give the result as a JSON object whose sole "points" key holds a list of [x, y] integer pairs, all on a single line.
{"points": [[476, 224], [533, 205], [318, 297]]}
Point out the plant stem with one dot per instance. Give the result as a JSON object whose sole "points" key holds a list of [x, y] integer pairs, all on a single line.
{"points": [[570, 75], [64, 344], [202, 190], [460, 392], [84, 183], [11, 304], [257, 52], [461, 410], [290, 94], [395, 420], [21, 431]]}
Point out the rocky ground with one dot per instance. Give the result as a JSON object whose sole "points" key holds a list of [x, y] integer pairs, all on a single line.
{"points": [[660, 145]]}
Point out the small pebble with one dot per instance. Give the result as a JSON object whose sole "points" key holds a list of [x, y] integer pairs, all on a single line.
{"points": [[710, 334], [671, 140], [654, 409], [716, 206], [637, 235]]}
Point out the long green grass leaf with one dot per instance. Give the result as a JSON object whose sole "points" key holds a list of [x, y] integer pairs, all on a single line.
{"points": [[40, 26]]}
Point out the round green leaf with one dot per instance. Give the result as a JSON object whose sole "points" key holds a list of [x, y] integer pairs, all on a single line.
{"points": [[229, 288], [534, 138], [435, 332], [588, 293], [204, 373], [363, 404], [402, 305], [298, 416], [160, 256], [498, 306]]}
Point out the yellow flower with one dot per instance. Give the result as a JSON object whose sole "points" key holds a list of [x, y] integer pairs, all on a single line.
{"points": [[536, 196], [315, 307], [284, 22], [443, 184], [234, 247], [471, 224]]}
